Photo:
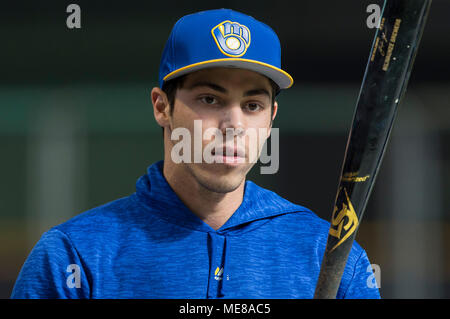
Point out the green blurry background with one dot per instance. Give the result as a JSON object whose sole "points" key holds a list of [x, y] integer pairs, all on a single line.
{"points": [[77, 128]]}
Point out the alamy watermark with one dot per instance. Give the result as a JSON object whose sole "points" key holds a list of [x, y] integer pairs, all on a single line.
{"points": [[373, 20], [236, 146], [73, 20], [74, 279], [374, 279]]}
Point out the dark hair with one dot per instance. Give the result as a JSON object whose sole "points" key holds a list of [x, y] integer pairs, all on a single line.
{"points": [[170, 88]]}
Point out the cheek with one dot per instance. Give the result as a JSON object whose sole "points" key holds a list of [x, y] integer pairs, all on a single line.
{"points": [[261, 121], [258, 130], [196, 124], [184, 115]]}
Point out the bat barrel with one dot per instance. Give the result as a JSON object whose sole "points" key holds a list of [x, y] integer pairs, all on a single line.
{"points": [[384, 84]]}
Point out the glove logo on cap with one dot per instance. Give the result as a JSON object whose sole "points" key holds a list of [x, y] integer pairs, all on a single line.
{"points": [[232, 38]]}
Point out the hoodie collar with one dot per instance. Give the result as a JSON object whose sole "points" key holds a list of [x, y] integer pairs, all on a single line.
{"points": [[155, 194]]}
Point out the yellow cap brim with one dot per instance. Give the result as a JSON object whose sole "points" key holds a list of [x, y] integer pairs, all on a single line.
{"points": [[280, 77]]}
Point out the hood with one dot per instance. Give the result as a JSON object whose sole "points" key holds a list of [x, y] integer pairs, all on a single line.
{"points": [[153, 192]]}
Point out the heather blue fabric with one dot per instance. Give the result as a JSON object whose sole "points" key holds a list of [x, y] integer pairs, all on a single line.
{"points": [[149, 245]]}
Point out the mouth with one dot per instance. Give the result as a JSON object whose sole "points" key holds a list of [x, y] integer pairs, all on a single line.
{"points": [[229, 155]]}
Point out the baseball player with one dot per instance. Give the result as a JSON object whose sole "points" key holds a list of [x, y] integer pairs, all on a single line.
{"points": [[195, 228]]}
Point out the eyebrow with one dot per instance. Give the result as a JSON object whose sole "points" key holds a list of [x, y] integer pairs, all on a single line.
{"points": [[210, 85], [257, 92], [223, 90]]}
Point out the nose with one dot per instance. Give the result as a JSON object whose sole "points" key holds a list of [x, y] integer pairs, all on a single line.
{"points": [[232, 120]]}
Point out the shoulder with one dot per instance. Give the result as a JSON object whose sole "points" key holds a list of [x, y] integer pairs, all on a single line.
{"points": [[308, 233], [102, 227], [295, 219], [304, 227], [307, 225], [101, 218], [304, 217], [46, 271]]}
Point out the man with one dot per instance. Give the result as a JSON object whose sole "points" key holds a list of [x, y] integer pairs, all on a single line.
{"points": [[195, 228]]}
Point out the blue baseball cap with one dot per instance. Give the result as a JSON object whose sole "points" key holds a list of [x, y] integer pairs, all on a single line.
{"points": [[222, 38]]}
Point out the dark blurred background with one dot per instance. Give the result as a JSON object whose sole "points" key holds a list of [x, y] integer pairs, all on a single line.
{"points": [[77, 128]]}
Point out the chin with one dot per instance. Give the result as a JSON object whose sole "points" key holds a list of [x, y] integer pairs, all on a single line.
{"points": [[219, 178]]}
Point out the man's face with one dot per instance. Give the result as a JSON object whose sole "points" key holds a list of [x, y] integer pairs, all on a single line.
{"points": [[225, 100]]}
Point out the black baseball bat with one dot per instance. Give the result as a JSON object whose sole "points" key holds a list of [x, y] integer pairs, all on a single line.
{"points": [[384, 84]]}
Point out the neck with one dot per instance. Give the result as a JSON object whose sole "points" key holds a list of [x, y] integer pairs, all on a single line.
{"points": [[211, 207]]}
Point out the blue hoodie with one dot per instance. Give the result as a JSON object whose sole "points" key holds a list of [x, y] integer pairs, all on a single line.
{"points": [[150, 245]]}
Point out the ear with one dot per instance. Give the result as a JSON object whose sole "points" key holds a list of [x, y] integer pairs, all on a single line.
{"points": [[274, 114], [161, 107]]}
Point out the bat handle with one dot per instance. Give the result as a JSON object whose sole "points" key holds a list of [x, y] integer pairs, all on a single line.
{"points": [[333, 266]]}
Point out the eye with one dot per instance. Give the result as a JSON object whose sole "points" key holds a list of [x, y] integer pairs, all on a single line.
{"points": [[253, 107], [208, 99]]}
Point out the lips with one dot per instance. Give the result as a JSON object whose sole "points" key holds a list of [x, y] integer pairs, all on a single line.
{"points": [[230, 151]]}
